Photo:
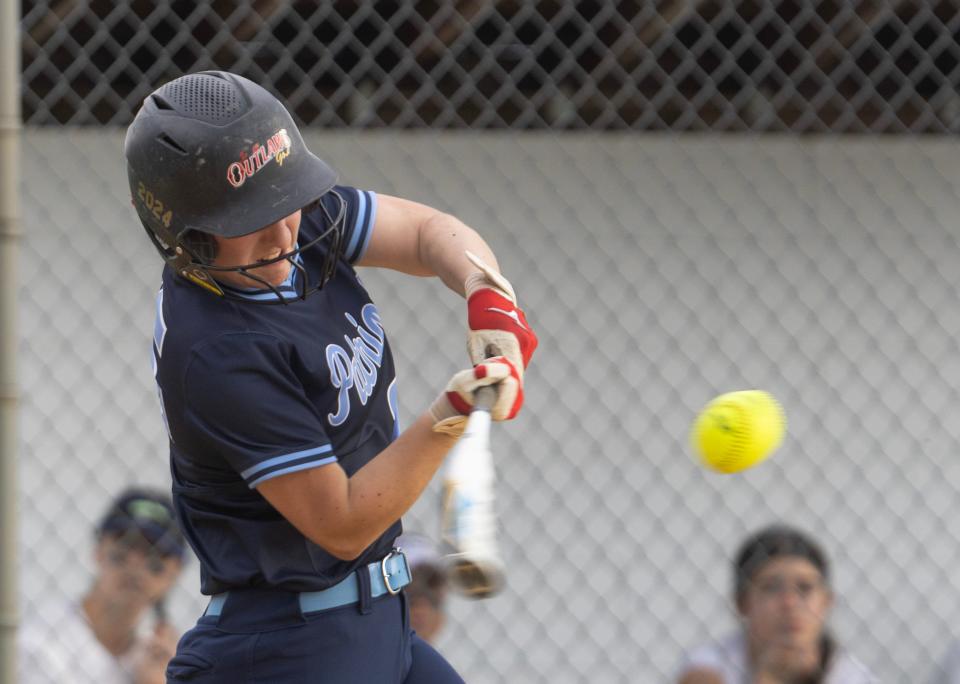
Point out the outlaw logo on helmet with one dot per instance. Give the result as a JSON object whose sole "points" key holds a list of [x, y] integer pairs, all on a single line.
{"points": [[277, 148]]}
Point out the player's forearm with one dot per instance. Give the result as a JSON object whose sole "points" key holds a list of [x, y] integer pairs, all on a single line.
{"points": [[444, 241], [382, 490], [386, 488]]}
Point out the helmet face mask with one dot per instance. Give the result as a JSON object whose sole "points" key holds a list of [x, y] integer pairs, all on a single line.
{"points": [[202, 253], [212, 155]]}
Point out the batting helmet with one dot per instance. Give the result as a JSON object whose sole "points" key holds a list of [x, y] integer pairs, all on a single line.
{"points": [[215, 154]]}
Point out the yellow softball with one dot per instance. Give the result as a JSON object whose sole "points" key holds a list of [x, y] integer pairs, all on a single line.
{"points": [[737, 430]]}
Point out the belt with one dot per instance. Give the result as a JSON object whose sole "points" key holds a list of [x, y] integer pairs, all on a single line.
{"points": [[387, 576]]}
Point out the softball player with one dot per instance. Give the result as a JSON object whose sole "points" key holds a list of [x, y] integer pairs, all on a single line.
{"points": [[276, 380]]}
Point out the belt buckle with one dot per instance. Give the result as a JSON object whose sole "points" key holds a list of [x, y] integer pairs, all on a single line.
{"points": [[395, 551]]}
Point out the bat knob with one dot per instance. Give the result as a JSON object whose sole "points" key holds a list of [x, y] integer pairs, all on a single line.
{"points": [[476, 580]]}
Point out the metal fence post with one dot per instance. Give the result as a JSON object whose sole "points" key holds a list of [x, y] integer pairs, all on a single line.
{"points": [[9, 234]]}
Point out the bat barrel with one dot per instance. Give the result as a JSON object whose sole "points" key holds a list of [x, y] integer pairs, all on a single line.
{"points": [[468, 523]]}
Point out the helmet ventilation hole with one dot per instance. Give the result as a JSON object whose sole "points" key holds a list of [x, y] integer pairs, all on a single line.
{"points": [[203, 97], [166, 140]]}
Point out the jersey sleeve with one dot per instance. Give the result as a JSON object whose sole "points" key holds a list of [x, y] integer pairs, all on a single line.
{"points": [[361, 213], [245, 404]]}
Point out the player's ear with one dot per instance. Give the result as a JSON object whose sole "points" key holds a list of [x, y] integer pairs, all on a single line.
{"points": [[741, 602], [201, 245], [100, 551], [176, 568]]}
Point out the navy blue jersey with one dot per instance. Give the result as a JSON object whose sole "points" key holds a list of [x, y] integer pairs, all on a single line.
{"points": [[251, 391]]}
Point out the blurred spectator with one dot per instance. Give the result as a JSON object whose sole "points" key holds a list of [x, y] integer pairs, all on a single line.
{"points": [[427, 592], [138, 556], [783, 597]]}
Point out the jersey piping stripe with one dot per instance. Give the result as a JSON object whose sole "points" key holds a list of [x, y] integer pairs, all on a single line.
{"points": [[357, 228], [362, 226], [371, 220], [293, 469], [286, 458], [159, 325]]}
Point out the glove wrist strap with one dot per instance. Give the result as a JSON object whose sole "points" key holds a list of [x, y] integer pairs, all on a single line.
{"points": [[446, 419], [479, 281], [486, 277]]}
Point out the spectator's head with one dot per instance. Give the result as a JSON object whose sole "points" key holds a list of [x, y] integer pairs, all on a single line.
{"points": [[140, 548], [782, 588], [427, 593]]}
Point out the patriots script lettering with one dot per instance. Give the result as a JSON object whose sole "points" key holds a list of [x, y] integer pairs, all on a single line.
{"points": [[356, 366]]}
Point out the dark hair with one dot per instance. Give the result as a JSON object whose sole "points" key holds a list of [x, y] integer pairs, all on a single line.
{"points": [[776, 541], [782, 541], [201, 246]]}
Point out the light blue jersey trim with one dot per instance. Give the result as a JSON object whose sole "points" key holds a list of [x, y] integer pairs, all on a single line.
{"points": [[293, 469], [392, 402], [270, 462], [159, 325], [287, 288], [370, 223], [357, 227], [363, 225]]}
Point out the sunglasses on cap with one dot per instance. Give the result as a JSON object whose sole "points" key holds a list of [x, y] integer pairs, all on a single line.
{"points": [[132, 542], [147, 517]]}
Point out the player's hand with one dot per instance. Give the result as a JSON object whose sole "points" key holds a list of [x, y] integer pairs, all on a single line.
{"points": [[154, 654], [454, 404], [496, 322], [779, 662]]}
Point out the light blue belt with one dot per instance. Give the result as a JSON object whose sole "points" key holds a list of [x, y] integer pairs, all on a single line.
{"points": [[387, 576]]}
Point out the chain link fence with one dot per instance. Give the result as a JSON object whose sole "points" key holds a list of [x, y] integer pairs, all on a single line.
{"points": [[680, 65], [659, 270]]}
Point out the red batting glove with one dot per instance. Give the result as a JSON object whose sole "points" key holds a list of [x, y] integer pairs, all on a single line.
{"points": [[497, 325]]}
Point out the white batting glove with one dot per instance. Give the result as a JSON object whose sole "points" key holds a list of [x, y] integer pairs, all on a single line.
{"points": [[451, 408]]}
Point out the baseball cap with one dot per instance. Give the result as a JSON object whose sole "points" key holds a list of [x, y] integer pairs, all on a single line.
{"points": [[149, 512]]}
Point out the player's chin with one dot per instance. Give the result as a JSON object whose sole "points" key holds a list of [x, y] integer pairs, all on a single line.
{"points": [[792, 638], [275, 274]]}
